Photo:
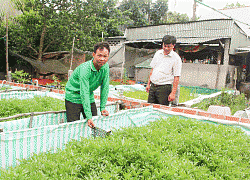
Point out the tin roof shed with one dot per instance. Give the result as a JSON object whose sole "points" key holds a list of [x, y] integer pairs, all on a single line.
{"points": [[193, 32]]}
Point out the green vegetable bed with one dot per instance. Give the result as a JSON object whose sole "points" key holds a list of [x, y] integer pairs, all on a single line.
{"points": [[186, 94], [235, 102], [176, 148], [10, 107]]}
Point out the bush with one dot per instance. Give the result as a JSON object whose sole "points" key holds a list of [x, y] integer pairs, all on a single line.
{"points": [[21, 76]]}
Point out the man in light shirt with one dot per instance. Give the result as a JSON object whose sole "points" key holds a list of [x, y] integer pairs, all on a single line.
{"points": [[164, 76]]}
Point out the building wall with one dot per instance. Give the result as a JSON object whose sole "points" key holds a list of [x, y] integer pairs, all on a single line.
{"points": [[204, 75], [142, 74]]}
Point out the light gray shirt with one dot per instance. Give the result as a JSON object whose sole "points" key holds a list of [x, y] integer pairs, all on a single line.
{"points": [[165, 67]]}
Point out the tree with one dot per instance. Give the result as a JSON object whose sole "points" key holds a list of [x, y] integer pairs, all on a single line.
{"points": [[232, 6], [174, 17], [146, 12], [51, 25], [135, 10], [158, 11], [194, 9]]}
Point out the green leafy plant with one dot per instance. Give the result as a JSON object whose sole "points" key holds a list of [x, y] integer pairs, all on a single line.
{"points": [[235, 102], [10, 107], [21, 76], [4, 88], [143, 95], [114, 83], [185, 94], [173, 148]]}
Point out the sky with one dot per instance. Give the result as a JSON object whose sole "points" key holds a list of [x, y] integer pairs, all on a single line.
{"points": [[186, 6]]}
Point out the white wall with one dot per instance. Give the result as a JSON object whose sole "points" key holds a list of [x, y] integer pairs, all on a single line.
{"points": [[204, 75]]}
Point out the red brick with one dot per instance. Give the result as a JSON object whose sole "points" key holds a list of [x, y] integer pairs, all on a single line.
{"points": [[204, 114], [156, 106], [166, 108], [217, 116], [245, 120], [231, 118], [61, 92], [145, 104], [190, 111], [54, 90], [128, 107], [134, 103], [177, 110]]}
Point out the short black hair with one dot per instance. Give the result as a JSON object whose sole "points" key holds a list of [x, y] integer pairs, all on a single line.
{"points": [[101, 45], [169, 39]]}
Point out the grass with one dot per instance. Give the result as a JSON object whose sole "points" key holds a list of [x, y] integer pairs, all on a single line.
{"points": [[174, 148]]}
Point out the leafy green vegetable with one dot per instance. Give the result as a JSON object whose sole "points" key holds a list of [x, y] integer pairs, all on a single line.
{"points": [[10, 107], [235, 103], [175, 148], [185, 94]]}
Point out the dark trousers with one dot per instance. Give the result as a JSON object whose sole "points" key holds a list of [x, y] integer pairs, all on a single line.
{"points": [[73, 111], [158, 94]]}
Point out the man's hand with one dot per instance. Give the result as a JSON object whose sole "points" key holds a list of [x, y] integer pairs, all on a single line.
{"points": [[171, 96], [147, 88], [105, 112], [90, 123]]}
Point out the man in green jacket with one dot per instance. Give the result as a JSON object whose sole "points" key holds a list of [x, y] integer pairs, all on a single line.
{"points": [[86, 78]]}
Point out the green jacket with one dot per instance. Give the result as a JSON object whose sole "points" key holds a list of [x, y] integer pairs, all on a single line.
{"points": [[83, 81]]}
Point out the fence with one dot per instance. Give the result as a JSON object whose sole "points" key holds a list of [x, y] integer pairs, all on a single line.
{"points": [[48, 133]]}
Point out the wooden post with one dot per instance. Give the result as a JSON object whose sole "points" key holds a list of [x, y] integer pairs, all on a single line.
{"points": [[218, 69], [72, 51], [226, 52], [7, 51]]}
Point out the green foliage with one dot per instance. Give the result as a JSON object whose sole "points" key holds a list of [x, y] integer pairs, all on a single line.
{"points": [[21, 76], [4, 88], [114, 83], [235, 103], [148, 12], [186, 94], [174, 17], [232, 6], [143, 95], [175, 148], [125, 77], [51, 25], [10, 107]]}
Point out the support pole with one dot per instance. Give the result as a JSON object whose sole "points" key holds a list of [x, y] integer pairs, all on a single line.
{"points": [[72, 53], [71, 71], [7, 51]]}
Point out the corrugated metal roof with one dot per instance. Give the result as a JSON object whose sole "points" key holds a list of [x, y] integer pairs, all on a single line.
{"points": [[243, 49], [198, 29], [241, 14], [183, 40], [196, 40]]}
